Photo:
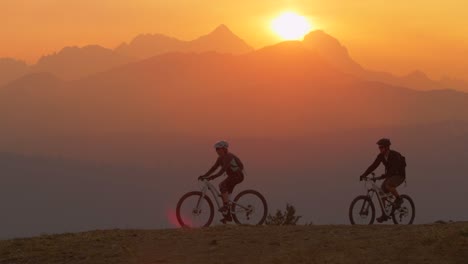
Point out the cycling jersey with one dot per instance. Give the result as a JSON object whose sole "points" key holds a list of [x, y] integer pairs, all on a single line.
{"points": [[229, 163]]}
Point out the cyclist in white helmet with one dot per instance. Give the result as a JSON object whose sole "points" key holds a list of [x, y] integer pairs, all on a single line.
{"points": [[233, 167]]}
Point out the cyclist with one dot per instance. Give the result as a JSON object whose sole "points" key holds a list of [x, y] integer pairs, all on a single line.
{"points": [[394, 175], [233, 167]]}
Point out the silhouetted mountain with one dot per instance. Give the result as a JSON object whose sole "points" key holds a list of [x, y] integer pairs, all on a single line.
{"points": [[453, 83], [419, 80], [221, 40], [11, 69], [282, 91], [332, 51], [74, 62], [148, 45], [337, 55]]}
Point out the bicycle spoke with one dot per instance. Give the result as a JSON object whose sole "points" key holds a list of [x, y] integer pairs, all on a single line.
{"points": [[361, 211], [194, 211], [406, 213], [249, 208]]}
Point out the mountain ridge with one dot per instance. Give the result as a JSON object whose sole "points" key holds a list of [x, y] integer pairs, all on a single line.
{"points": [[221, 40]]}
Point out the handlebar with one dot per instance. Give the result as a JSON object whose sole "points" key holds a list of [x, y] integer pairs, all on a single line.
{"points": [[373, 178], [204, 179]]}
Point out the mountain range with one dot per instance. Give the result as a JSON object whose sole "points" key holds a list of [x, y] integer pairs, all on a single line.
{"points": [[220, 40], [286, 90], [337, 55], [72, 63]]}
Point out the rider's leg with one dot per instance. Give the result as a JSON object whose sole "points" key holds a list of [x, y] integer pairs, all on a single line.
{"points": [[225, 196], [227, 186], [393, 190], [389, 187], [398, 201], [393, 183], [224, 189]]}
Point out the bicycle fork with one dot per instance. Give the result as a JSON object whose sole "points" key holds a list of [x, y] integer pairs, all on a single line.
{"points": [[200, 201], [365, 206]]}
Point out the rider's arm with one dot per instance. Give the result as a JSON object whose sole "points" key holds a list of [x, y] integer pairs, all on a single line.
{"points": [[215, 166], [373, 166], [224, 166]]}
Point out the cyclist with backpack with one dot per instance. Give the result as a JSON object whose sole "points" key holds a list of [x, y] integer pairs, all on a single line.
{"points": [[395, 173], [233, 167]]}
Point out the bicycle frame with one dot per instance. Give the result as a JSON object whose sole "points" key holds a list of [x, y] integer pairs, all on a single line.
{"points": [[210, 187], [216, 194], [375, 189]]}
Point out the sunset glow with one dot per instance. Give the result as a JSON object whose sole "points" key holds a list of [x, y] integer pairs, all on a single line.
{"points": [[291, 26], [113, 113]]}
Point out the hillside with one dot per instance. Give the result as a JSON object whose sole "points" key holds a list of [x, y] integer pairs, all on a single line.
{"points": [[438, 243]]}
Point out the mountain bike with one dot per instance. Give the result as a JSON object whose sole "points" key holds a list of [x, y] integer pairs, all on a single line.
{"points": [[195, 209], [362, 209]]}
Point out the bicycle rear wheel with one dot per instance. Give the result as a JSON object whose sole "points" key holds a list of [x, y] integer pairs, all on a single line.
{"points": [[406, 213], [195, 211], [250, 208], [362, 211]]}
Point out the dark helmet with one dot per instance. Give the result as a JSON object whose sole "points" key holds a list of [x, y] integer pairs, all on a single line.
{"points": [[384, 142]]}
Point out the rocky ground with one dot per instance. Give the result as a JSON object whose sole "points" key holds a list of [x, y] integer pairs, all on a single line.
{"points": [[436, 243]]}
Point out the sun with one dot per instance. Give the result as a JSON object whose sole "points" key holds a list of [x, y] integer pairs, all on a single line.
{"points": [[291, 26]]}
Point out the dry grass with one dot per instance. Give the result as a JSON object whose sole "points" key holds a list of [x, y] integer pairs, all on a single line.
{"points": [[439, 243]]}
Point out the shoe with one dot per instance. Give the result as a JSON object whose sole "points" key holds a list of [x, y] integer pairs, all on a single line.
{"points": [[227, 218], [382, 219], [225, 208], [398, 202]]}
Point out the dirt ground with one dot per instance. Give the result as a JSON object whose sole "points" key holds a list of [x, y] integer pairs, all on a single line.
{"points": [[437, 243]]}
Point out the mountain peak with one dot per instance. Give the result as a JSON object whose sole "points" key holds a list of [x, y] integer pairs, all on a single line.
{"points": [[332, 50], [221, 30], [322, 39], [222, 40]]}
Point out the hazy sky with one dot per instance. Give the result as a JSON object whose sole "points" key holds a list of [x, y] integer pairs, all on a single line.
{"points": [[396, 36]]}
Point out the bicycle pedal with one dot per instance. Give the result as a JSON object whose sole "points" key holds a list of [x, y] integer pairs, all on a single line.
{"points": [[225, 220]]}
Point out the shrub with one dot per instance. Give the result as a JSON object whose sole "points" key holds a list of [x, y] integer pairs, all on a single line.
{"points": [[288, 217]]}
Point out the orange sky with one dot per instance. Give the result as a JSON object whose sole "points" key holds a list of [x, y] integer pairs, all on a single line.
{"points": [[396, 36]]}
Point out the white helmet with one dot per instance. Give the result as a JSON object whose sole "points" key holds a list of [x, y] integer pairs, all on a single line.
{"points": [[221, 144]]}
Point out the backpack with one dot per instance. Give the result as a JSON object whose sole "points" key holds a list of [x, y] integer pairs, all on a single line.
{"points": [[402, 168]]}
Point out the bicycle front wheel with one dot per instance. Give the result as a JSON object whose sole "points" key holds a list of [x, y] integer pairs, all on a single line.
{"points": [[406, 213], [249, 208], [362, 211], [193, 210]]}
